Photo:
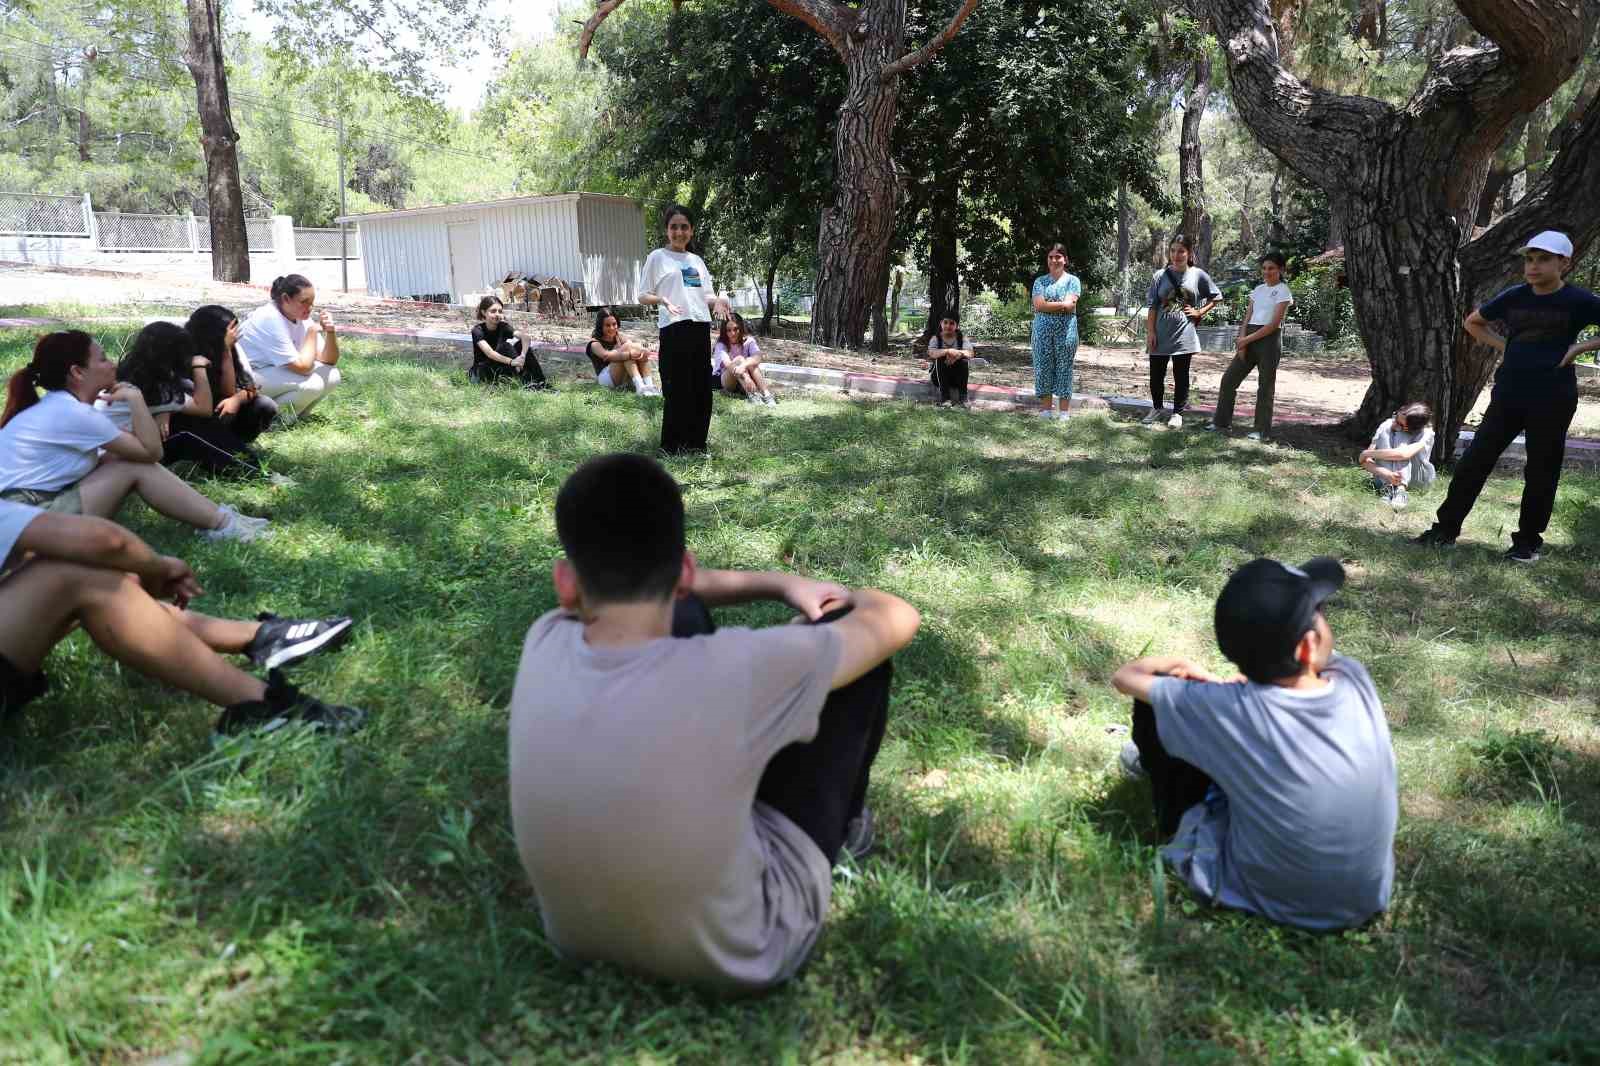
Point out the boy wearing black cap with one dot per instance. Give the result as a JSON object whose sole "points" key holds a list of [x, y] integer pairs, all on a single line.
{"points": [[1280, 785]]}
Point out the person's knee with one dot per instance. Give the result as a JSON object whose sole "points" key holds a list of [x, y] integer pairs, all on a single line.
{"points": [[331, 378]]}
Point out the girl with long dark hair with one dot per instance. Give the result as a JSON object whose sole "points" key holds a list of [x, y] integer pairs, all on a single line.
{"points": [[240, 406], [617, 361], [677, 283], [1179, 297], [736, 362], [499, 351]]}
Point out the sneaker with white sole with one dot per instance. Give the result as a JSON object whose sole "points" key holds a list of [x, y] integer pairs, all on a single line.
{"points": [[860, 836], [281, 641], [1157, 414], [1257, 437], [1521, 553], [1211, 427], [284, 705], [1175, 422], [768, 399], [236, 526], [1398, 498]]}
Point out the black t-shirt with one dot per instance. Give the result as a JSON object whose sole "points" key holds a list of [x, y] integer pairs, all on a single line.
{"points": [[502, 340], [599, 363], [1539, 330]]}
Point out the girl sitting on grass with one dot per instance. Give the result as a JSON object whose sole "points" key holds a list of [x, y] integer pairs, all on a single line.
{"points": [[59, 454], [617, 361], [241, 410], [949, 351], [1400, 454], [736, 362], [498, 351]]}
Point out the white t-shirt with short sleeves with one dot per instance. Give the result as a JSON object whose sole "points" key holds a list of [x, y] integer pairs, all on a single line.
{"points": [[1264, 301], [679, 278], [267, 339], [54, 444]]}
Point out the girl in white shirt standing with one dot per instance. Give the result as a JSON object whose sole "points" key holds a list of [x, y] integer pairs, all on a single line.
{"points": [[677, 282], [60, 454], [1259, 348], [291, 357]]}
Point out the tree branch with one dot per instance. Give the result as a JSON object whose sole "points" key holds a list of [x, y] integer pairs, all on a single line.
{"points": [[604, 8], [828, 19], [931, 49]]}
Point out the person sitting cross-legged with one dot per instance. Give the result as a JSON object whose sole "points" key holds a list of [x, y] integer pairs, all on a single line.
{"points": [[1277, 788], [63, 570], [680, 793]]}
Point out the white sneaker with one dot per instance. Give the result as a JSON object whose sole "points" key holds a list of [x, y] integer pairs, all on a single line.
{"points": [[1399, 499], [766, 398], [1211, 427], [1254, 437], [1045, 412], [753, 397], [1156, 415], [1175, 422], [236, 526]]}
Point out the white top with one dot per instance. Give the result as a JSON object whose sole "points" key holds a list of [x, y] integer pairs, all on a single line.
{"points": [[14, 518], [54, 444], [679, 278], [1264, 301], [266, 338], [122, 416]]}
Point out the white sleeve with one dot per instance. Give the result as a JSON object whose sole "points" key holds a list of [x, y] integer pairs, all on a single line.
{"points": [[1285, 295], [87, 429], [710, 282], [265, 338]]}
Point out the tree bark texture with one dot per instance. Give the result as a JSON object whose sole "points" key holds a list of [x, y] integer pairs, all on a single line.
{"points": [[944, 283], [880, 317], [230, 248], [771, 308], [1407, 182], [1191, 164], [1124, 245]]}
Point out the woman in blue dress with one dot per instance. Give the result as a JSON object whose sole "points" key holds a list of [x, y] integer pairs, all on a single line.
{"points": [[1055, 334]]}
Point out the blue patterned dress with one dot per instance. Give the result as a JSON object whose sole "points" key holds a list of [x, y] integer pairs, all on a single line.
{"points": [[1055, 338]]}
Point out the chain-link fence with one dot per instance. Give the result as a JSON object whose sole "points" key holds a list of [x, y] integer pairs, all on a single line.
{"points": [[123, 232], [257, 232], [42, 216], [324, 243]]}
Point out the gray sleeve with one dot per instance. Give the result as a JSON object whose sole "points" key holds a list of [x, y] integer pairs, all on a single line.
{"points": [[1208, 288], [791, 672], [1185, 718], [1153, 296]]}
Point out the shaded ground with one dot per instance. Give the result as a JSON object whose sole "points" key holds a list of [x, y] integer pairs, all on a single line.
{"points": [[1319, 386]]}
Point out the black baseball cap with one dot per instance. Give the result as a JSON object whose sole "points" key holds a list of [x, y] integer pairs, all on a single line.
{"points": [[1266, 607]]}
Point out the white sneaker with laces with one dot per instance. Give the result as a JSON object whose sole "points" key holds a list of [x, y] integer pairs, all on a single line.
{"points": [[1398, 500], [236, 526], [1175, 422], [1254, 436]]}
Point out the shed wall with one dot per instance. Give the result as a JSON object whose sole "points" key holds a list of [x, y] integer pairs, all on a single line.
{"points": [[611, 244], [539, 238], [407, 256]]}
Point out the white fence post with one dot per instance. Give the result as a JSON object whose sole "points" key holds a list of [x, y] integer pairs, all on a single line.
{"points": [[194, 235], [283, 239], [91, 224]]}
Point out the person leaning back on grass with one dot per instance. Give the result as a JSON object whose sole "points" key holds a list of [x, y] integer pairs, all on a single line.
{"points": [[62, 570], [1278, 787], [680, 793], [1535, 392]]}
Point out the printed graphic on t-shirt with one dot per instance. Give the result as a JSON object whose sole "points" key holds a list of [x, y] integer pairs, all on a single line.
{"points": [[1539, 325], [1177, 296], [691, 277]]}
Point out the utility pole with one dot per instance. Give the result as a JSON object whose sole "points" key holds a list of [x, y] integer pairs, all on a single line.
{"points": [[344, 227]]}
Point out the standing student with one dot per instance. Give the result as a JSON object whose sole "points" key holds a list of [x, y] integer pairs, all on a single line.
{"points": [[1400, 454], [241, 413], [1180, 296], [1278, 789], [60, 454], [736, 362], [677, 283], [292, 357], [618, 361], [498, 351], [680, 793], [1055, 333], [949, 351], [1259, 348], [1535, 392]]}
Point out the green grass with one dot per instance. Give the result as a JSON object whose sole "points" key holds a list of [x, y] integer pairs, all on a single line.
{"points": [[360, 901]]}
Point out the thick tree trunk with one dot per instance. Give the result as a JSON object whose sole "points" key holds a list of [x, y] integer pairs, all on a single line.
{"points": [[230, 248], [1124, 245], [944, 282], [854, 235], [1191, 165]]}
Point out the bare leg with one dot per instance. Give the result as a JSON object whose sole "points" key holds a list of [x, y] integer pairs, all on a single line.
{"points": [[104, 490], [759, 378], [633, 373], [225, 635], [615, 375], [730, 381], [644, 371], [122, 619]]}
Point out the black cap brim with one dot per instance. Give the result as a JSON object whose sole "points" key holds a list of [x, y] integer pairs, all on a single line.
{"points": [[1327, 577]]}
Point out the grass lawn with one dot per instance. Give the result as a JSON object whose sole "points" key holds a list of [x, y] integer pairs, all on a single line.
{"points": [[360, 901]]}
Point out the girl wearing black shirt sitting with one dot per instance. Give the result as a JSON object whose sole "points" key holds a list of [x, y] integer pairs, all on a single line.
{"points": [[499, 351], [617, 361]]}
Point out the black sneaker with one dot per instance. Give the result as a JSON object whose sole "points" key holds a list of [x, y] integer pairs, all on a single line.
{"points": [[1521, 553], [286, 705], [281, 641], [1433, 538], [860, 835]]}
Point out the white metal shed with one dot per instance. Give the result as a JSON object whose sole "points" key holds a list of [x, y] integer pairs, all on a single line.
{"points": [[594, 241]]}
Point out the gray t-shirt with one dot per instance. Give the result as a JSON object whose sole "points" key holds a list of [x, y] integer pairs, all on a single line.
{"points": [[1175, 334], [633, 782], [1419, 471], [1303, 831]]}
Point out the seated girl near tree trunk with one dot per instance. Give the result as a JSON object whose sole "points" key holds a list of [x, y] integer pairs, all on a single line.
{"points": [[1401, 454]]}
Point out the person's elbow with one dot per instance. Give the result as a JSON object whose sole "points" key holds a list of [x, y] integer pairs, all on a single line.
{"points": [[904, 621]]}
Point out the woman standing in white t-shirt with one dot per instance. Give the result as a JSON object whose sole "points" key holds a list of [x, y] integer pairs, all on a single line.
{"points": [[677, 282], [60, 454], [1259, 348], [290, 356]]}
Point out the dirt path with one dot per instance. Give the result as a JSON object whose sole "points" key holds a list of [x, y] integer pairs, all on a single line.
{"points": [[1320, 386]]}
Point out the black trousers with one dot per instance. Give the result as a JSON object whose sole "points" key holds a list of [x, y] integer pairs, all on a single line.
{"points": [[531, 375], [1175, 785], [685, 387], [820, 785], [1545, 420], [214, 443], [1180, 379], [950, 376]]}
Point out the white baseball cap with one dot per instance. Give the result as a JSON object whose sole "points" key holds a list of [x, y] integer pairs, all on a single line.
{"points": [[1549, 241]]}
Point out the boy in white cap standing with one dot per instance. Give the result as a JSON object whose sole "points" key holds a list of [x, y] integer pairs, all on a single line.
{"points": [[1278, 788], [1535, 392]]}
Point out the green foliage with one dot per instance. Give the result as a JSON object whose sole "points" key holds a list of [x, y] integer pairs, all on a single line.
{"points": [[1321, 304]]}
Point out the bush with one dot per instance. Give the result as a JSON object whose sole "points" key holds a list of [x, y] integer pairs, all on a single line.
{"points": [[1322, 305]]}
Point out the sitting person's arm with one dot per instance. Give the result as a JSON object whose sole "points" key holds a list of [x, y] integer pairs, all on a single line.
{"points": [[1403, 454], [1137, 678], [98, 542], [143, 445], [199, 403], [310, 353], [488, 352]]}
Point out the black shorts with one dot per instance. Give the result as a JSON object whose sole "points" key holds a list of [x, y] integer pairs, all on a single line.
{"points": [[18, 689]]}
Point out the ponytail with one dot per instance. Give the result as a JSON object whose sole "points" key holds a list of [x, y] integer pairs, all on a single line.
{"points": [[53, 359], [288, 285]]}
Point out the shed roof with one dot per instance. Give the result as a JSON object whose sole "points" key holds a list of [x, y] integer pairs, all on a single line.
{"points": [[510, 201]]}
